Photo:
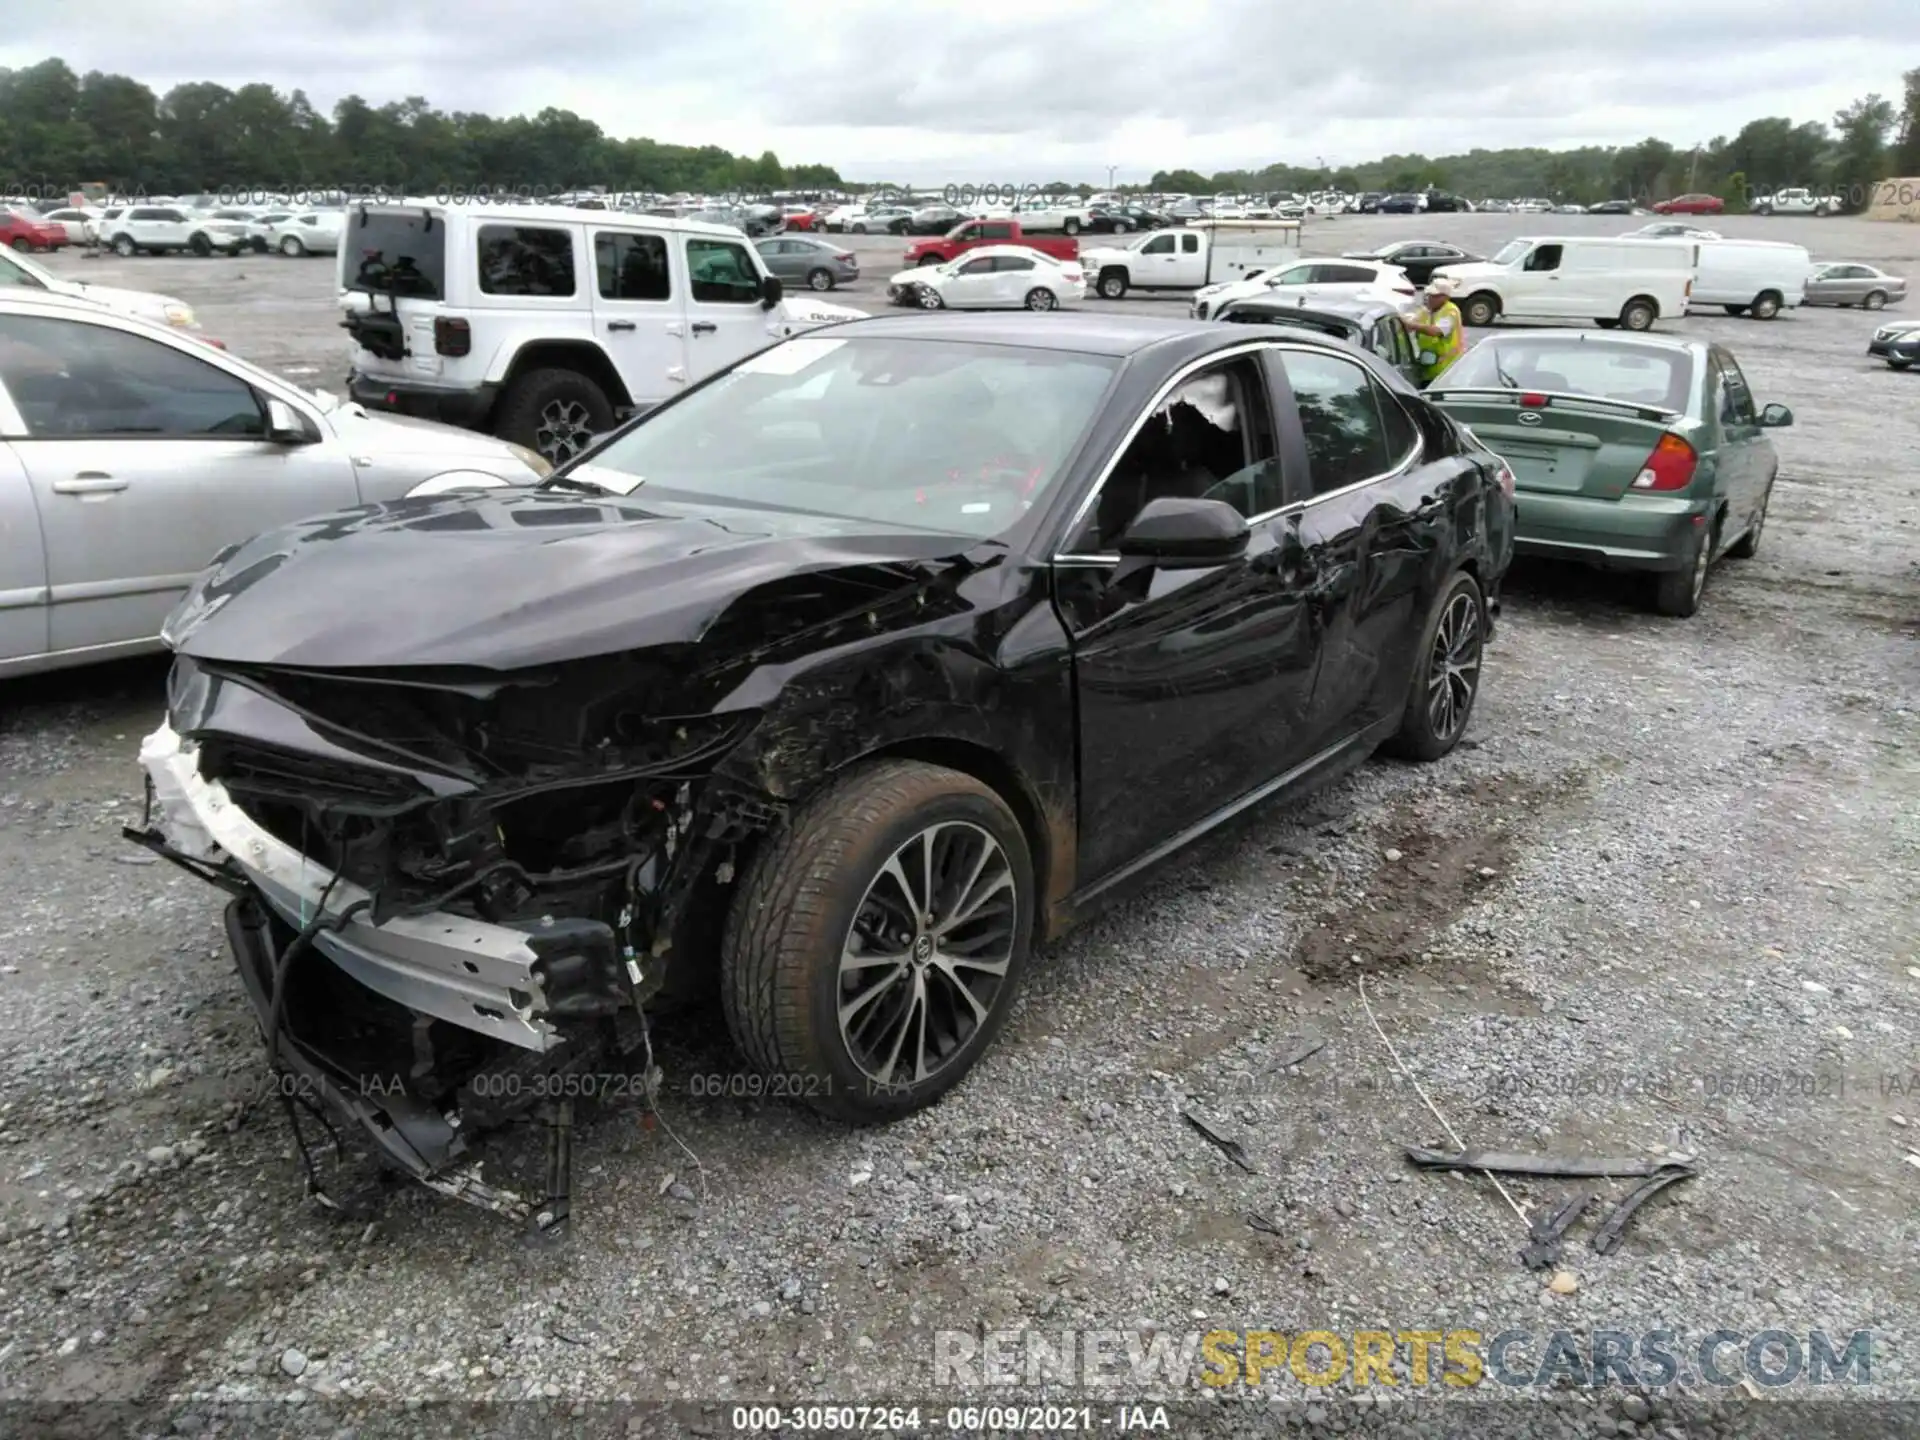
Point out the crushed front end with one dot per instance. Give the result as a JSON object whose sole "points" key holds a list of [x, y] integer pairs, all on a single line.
{"points": [[453, 893]]}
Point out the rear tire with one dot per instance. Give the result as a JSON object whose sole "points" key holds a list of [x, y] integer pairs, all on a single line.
{"points": [[124, 247], [1072, 226], [929, 260], [200, 246], [1041, 298], [820, 279], [823, 891], [1766, 306], [1481, 310], [1748, 545], [292, 247], [1638, 315], [1893, 364], [1677, 592], [556, 412], [1446, 678], [22, 244], [1874, 300]]}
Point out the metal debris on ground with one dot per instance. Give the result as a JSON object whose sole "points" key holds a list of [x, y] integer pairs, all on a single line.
{"points": [[1544, 1238], [1265, 1224], [1559, 1166], [1607, 1238], [1226, 1145]]}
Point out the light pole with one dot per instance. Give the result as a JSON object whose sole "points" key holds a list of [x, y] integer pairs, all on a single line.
{"points": [[1110, 170]]}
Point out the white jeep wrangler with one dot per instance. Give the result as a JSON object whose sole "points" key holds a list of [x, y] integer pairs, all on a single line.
{"points": [[543, 324]]}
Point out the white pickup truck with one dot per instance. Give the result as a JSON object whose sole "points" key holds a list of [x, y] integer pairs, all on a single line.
{"points": [[1796, 201], [1064, 212], [1203, 253]]}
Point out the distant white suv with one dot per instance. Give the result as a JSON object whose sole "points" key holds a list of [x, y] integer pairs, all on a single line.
{"points": [[1796, 200], [162, 229], [544, 324]]}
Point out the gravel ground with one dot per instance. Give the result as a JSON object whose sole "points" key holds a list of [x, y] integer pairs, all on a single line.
{"points": [[1660, 901]]}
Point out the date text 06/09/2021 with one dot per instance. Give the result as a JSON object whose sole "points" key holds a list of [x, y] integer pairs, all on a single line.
{"points": [[966, 1419]]}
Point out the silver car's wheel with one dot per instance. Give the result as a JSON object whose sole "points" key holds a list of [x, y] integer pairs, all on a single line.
{"points": [[1875, 300], [1041, 298], [928, 951], [291, 246]]}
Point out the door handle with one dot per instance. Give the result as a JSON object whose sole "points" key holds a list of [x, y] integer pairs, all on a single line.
{"points": [[89, 482], [704, 327], [620, 325]]}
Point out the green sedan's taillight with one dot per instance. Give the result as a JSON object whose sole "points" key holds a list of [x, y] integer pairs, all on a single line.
{"points": [[1669, 467]]}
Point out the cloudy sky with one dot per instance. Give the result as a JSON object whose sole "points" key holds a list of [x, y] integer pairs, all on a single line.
{"points": [[1030, 90]]}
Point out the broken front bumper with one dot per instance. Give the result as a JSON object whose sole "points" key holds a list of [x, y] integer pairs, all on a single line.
{"points": [[501, 981]]}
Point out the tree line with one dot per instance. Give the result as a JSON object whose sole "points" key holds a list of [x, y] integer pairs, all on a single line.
{"points": [[59, 129]]}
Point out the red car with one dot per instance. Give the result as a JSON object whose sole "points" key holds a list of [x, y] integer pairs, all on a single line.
{"points": [[971, 233], [799, 217], [23, 232], [1691, 205]]}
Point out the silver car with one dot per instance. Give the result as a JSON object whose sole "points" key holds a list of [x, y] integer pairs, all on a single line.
{"points": [[817, 264], [130, 453], [1850, 283]]}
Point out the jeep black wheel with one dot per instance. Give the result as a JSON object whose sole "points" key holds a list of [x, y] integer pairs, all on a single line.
{"points": [[557, 412], [879, 933]]}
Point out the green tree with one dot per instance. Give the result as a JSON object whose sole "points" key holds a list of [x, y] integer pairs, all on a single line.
{"points": [[1860, 157], [1184, 182], [1906, 150]]}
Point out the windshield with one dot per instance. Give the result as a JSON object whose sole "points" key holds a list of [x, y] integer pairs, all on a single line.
{"points": [[926, 434], [1642, 374], [399, 255], [17, 269], [1510, 253]]}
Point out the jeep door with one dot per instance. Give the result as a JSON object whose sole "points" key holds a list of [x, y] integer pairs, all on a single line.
{"points": [[725, 318], [639, 311]]}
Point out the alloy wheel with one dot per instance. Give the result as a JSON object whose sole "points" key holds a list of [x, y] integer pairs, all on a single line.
{"points": [[1701, 560], [565, 429], [1874, 301], [930, 298], [1039, 299], [1453, 670], [927, 953]]}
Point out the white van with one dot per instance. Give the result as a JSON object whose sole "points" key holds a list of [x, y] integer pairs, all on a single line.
{"points": [[1604, 281], [544, 324], [1751, 277]]}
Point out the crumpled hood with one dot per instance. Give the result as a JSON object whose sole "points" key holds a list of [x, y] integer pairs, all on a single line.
{"points": [[510, 579]]}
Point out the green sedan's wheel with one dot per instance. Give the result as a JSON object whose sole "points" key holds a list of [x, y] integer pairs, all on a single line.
{"points": [[1677, 592]]}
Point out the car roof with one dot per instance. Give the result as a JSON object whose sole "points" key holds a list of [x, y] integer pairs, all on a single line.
{"points": [[1641, 341], [1359, 311], [1087, 332], [547, 215]]}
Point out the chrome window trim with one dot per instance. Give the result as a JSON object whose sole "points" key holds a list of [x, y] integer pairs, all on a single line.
{"points": [[1083, 560]]}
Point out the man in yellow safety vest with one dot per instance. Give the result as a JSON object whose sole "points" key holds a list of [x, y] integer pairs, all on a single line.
{"points": [[1438, 331]]}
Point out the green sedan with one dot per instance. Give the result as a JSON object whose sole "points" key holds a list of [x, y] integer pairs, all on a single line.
{"points": [[1629, 452]]}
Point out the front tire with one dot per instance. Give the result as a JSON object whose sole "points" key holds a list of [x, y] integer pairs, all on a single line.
{"points": [[201, 246], [1481, 310], [1447, 680], [1072, 227], [878, 937], [124, 247], [1748, 545], [929, 298], [22, 244], [1113, 284], [556, 412]]}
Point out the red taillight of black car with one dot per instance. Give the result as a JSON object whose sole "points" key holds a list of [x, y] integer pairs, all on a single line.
{"points": [[452, 336]]}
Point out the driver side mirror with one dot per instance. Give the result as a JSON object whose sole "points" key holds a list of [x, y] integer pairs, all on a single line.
{"points": [[1776, 415], [285, 426], [770, 291], [1180, 533]]}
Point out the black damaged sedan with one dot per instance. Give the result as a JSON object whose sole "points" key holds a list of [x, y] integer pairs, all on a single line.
{"points": [[839, 683]]}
